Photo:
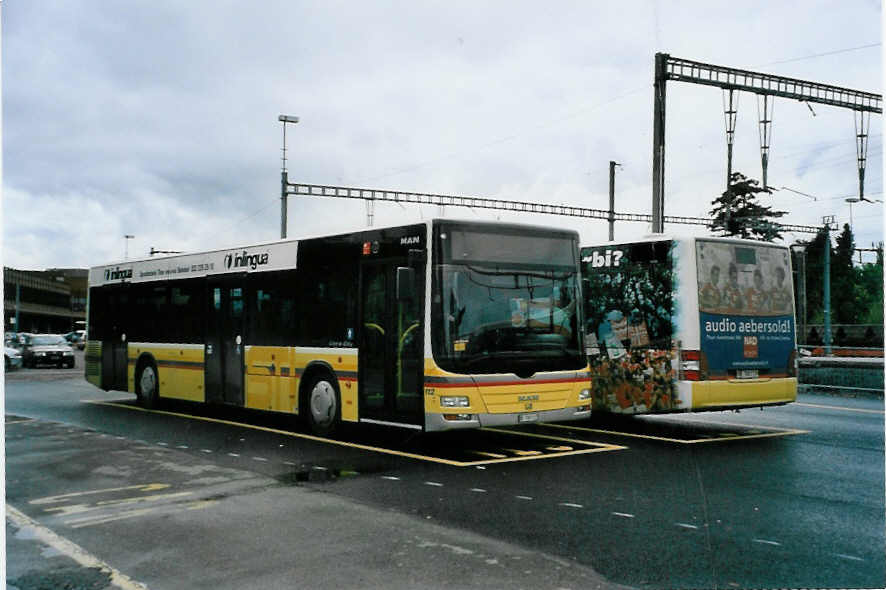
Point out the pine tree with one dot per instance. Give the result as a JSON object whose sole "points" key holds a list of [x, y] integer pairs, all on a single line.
{"points": [[737, 213], [844, 280]]}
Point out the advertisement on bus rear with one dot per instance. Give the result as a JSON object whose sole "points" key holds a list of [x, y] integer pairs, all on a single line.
{"points": [[629, 305], [746, 309]]}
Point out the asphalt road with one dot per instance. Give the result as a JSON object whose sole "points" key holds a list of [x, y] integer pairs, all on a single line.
{"points": [[786, 497]]}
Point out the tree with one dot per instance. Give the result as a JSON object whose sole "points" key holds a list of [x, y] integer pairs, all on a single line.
{"points": [[844, 280], [869, 290], [737, 213], [814, 257]]}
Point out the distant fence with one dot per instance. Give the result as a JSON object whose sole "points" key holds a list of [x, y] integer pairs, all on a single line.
{"points": [[844, 336]]}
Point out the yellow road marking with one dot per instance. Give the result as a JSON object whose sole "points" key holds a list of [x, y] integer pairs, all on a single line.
{"points": [[485, 454], [841, 408], [599, 447], [522, 453], [780, 432], [150, 487], [70, 549]]}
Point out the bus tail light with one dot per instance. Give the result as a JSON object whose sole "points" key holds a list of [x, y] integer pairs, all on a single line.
{"points": [[690, 365]]}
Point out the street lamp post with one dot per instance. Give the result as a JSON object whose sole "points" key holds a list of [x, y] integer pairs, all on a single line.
{"points": [[284, 177], [126, 238], [800, 251]]}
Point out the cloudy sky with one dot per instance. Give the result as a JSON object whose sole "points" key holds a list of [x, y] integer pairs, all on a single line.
{"points": [[159, 119]]}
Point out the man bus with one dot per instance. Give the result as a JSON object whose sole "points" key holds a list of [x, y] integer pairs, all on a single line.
{"points": [[432, 326], [664, 332]]}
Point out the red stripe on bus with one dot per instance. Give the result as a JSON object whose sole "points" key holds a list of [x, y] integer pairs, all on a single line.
{"points": [[501, 383]]}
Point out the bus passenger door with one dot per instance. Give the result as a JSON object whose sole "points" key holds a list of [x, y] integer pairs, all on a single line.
{"points": [[390, 347], [115, 357], [225, 336]]}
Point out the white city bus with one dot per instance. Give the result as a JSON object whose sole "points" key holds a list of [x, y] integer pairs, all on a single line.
{"points": [[689, 324], [431, 326]]}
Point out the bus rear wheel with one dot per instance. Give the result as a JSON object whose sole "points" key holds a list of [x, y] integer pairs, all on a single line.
{"points": [[146, 385], [323, 405]]}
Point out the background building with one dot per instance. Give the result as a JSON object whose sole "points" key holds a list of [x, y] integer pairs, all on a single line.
{"points": [[48, 301]]}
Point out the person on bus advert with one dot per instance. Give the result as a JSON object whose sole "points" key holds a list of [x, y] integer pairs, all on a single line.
{"points": [[780, 296], [732, 293], [710, 297], [757, 297]]}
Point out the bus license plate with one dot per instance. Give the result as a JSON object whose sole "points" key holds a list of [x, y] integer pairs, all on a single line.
{"points": [[524, 418], [747, 373]]}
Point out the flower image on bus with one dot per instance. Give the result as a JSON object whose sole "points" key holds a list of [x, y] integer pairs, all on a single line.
{"points": [[431, 326], [689, 324]]}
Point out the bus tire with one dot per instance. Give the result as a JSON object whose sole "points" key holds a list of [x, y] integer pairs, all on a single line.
{"points": [[146, 384], [322, 402]]}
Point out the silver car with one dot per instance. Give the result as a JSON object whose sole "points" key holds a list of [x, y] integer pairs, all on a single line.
{"points": [[47, 349]]}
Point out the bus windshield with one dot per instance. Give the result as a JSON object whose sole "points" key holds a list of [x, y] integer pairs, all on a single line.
{"points": [[498, 315]]}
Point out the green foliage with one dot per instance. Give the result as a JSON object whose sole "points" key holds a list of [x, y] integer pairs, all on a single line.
{"points": [[737, 213], [856, 289]]}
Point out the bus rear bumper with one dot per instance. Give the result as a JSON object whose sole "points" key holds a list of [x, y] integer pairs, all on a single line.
{"points": [[440, 422], [724, 395]]}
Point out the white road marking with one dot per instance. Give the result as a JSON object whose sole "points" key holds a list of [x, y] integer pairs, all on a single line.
{"points": [[767, 542], [478, 490], [163, 444], [390, 477], [623, 514], [182, 447], [259, 459], [686, 526], [523, 497], [434, 483], [233, 455], [570, 505], [284, 462], [72, 550], [849, 557], [206, 450]]}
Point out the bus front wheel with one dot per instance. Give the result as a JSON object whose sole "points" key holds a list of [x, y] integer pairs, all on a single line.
{"points": [[323, 405], [146, 385]]}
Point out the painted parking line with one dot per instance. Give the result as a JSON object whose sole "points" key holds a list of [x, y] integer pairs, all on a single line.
{"points": [[70, 549], [705, 438], [523, 455]]}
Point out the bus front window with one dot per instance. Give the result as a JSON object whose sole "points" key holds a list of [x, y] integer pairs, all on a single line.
{"points": [[507, 319]]}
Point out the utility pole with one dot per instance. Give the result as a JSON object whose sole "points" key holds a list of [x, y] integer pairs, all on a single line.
{"points": [[658, 142], [827, 220], [730, 113], [800, 250], [612, 166], [284, 175]]}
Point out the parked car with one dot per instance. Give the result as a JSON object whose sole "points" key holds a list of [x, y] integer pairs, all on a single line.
{"points": [[13, 358], [47, 349]]}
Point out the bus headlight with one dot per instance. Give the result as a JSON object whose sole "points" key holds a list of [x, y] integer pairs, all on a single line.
{"points": [[584, 394], [454, 401]]}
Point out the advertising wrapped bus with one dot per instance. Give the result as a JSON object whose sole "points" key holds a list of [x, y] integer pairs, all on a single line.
{"points": [[689, 324]]}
